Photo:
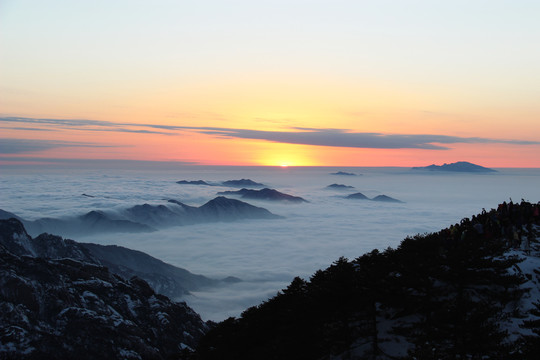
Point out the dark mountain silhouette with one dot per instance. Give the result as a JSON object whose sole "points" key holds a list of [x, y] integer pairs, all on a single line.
{"points": [[467, 291], [72, 309], [344, 173], [358, 195], [384, 198], [380, 198], [248, 183], [193, 182], [4, 215], [264, 194], [165, 279], [460, 166], [242, 183], [152, 215], [339, 187], [145, 218], [93, 222], [225, 209]]}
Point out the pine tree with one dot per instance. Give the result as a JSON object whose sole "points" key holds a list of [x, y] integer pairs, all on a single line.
{"points": [[530, 344]]}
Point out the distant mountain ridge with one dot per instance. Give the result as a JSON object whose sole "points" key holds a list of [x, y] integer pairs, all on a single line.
{"points": [[229, 183], [145, 218], [460, 166], [339, 187], [264, 194], [379, 198], [165, 279], [343, 173]]}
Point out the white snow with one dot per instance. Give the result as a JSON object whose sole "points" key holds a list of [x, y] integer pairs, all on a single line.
{"points": [[128, 354]]}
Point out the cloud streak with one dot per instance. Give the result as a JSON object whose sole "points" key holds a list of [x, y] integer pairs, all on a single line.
{"points": [[14, 160], [21, 146], [345, 138], [81, 125], [296, 135]]}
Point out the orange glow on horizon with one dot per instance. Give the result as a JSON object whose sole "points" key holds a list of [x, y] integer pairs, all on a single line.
{"points": [[208, 149]]}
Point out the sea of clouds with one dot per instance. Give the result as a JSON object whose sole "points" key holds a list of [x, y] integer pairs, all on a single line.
{"points": [[268, 254]]}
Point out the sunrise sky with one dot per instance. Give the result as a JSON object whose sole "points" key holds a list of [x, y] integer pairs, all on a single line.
{"points": [[271, 82]]}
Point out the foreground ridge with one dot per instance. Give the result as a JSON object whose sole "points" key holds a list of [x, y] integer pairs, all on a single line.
{"points": [[70, 308], [467, 291]]}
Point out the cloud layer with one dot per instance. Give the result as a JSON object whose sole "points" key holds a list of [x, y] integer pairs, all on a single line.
{"points": [[301, 136], [20, 146], [267, 254]]}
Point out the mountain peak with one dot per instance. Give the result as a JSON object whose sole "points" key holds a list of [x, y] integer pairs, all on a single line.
{"points": [[460, 166]]}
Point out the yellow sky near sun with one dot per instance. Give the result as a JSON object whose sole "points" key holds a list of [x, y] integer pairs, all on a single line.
{"points": [[211, 150]]}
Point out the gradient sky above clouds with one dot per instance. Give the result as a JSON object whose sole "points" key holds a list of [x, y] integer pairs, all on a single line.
{"points": [[298, 82]]}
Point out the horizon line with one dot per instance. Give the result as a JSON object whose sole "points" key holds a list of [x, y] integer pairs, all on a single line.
{"points": [[62, 162]]}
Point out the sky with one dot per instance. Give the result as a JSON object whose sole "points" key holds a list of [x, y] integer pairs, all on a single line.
{"points": [[278, 83]]}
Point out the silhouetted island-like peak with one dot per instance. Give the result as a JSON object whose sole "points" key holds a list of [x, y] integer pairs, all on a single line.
{"points": [[264, 194], [193, 182], [380, 198], [460, 166], [357, 195], [385, 198], [339, 187], [344, 173], [242, 183]]}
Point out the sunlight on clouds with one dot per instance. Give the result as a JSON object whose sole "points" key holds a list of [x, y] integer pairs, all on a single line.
{"points": [[286, 155]]}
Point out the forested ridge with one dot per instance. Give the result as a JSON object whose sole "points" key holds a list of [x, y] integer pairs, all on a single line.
{"points": [[469, 291]]}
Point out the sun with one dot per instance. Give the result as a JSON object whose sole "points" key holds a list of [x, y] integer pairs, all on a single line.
{"points": [[285, 155]]}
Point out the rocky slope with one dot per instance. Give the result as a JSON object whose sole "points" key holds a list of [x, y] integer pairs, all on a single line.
{"points": [[165, 279], [67, 308]]}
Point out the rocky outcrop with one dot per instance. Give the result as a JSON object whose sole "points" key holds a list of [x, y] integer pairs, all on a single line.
{"points": [[165, 279], [65, 308], [15, 239]]}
